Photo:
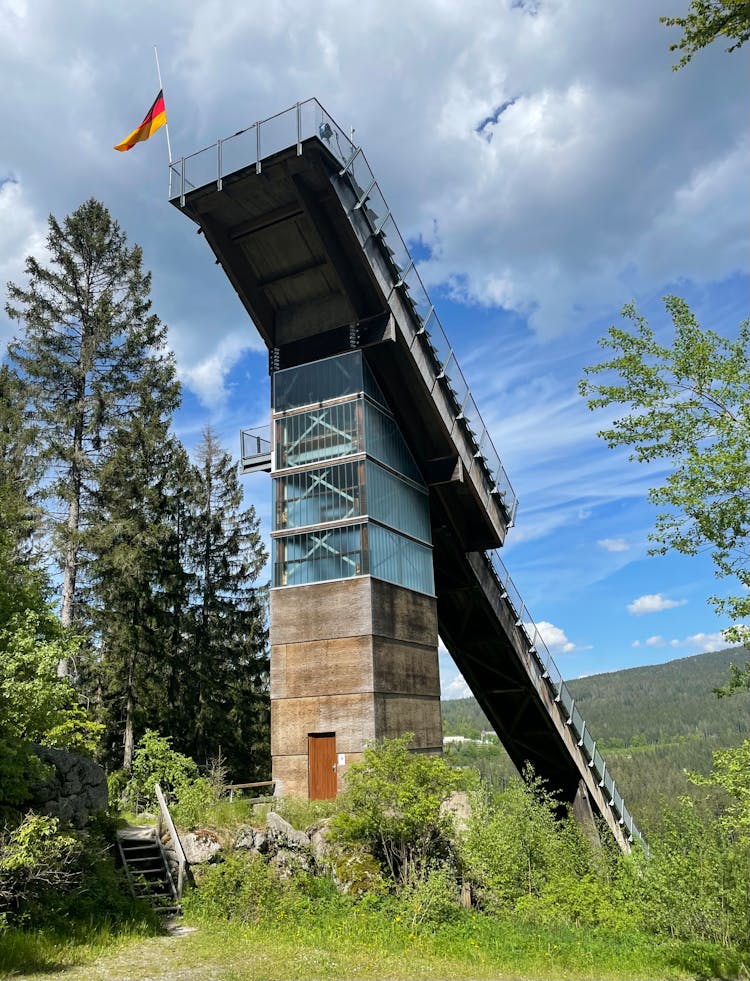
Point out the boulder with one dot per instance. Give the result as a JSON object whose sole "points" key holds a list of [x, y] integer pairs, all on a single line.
{"points": [[74, 790], [252, 839], [281, 834], [320, 845], [200, 846], [289, 862]]}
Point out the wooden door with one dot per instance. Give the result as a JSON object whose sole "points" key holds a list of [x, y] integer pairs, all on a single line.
{"points": [[321, 765]]}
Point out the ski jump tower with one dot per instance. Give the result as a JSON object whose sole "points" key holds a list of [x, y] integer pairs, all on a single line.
{"points": [[389, 498]]}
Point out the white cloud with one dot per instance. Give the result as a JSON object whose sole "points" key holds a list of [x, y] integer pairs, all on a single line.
{"points": [[700, 642], [554, 637], [652, 603], [207, 373], [454, 687], [21, 234], [613, 544], [707, 642]]}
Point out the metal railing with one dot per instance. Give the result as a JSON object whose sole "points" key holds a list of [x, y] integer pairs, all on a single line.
{"points": [[548, 671], [308, 120], [255, 442], [165, 823]]}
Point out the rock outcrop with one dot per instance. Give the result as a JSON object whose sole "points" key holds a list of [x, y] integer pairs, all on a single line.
{"points": [[74, 790]]}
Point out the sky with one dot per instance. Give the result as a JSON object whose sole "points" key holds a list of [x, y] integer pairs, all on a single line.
{"points": [[540, 156]]}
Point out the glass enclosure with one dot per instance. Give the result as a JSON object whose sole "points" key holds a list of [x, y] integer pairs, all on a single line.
{"points": [[346, 479]]}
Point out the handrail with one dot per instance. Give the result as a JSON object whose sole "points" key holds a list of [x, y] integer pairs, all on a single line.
{"points": [[548, 671], [231, 787], [166, 817]]}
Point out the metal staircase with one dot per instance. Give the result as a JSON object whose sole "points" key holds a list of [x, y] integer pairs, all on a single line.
{"points": [[147, 870]]}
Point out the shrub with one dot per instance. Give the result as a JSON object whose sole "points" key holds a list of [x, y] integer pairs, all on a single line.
{"points": [[37, 859], [392, 807], [195, 799], [242, 888], [431, 899], [696, 883], [512, 843], [154, 761]]}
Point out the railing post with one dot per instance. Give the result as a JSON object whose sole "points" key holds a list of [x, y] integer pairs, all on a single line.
{"points": [[299, 130], [181, 860]]}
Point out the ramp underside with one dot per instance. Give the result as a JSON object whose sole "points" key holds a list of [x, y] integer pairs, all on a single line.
{"points": [[315, 282]]}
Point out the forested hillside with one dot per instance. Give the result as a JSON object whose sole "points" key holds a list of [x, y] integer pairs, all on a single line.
{"points": [[639, 706], [653, 723]]}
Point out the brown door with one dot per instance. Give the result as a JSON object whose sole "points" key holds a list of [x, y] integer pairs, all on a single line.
{"points": [[321, 765]]}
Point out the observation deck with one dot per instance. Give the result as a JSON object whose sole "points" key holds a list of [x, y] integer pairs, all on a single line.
{"points": [[296, 219]]}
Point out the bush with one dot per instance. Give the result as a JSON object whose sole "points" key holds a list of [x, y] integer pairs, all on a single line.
{"points": [[392, 807], [696, 883], [154, 761], [242, 888], [431, 899], [195, 799], [37, 860], [512, 843]]}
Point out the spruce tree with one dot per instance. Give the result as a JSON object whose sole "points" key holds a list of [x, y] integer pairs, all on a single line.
{"points": [[226, 686], [19, 468], [88, 333], [132, 563]]}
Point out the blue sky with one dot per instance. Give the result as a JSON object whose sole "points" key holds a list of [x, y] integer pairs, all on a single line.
{"points": [[544, 159]]}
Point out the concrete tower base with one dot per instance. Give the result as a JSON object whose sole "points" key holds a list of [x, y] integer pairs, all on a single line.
{"points": [[354, 659]]}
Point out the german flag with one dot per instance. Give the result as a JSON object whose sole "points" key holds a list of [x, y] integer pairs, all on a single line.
{"points": [[156, 117]]}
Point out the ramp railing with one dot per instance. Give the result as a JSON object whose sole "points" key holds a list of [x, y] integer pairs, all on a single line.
{"points": [[548, 672]]}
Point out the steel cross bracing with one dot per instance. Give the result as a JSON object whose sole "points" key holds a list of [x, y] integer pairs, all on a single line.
{"points": [[349, 245]]}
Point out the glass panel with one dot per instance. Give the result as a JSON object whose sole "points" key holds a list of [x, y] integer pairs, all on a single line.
{"points": [[376, 209], [319, 434], [514, 598], [438, 343], [472, 419], [566, 700], [455, 384], [318, 381], [588, 744], [396, 249], [201, 168], [360, 175], [577, 722], [309, 113], [333, 553], [314, 497], [384, 442], [278, 132], [372, 388], [238, 151], [397, 504], [256, 442], [332, 137], [417, 295], [175, 171], [609, 786], [400, 560]]}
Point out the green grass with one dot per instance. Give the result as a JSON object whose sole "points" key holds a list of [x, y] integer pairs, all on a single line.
{"points": [[363, 945], [43, 952]]}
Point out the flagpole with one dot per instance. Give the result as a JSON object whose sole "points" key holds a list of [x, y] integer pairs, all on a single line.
{"points": [[161, 88]]}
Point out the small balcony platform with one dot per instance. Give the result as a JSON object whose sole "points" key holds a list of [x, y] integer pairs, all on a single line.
{"points": [[255, 454]]}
